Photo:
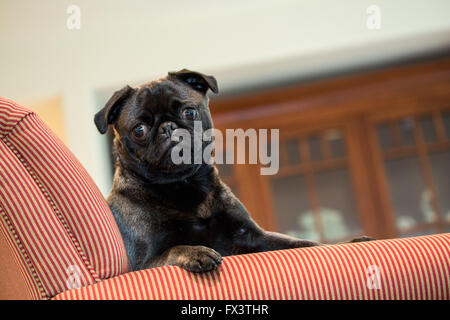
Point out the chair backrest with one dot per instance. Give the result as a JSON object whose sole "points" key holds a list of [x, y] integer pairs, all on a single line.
{"points": [[56, 229]]}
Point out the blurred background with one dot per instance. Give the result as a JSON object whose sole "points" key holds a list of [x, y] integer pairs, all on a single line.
{"points": [[360, 91]]}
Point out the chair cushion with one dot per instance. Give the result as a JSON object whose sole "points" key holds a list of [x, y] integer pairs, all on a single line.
{"points": [[59, 226], [410, 268]]}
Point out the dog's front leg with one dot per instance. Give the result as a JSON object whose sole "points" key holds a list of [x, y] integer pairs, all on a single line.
{"points": [[191, 258], [261, 240], [267, 241]]}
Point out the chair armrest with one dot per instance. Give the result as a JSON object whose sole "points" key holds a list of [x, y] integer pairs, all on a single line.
{"points": [[408, 268]]}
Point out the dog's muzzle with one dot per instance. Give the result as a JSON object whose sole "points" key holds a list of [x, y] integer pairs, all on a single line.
{"points": [[166, 128]]}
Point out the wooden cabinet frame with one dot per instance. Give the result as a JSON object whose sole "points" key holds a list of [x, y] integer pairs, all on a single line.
{"points": [[354, 103]]}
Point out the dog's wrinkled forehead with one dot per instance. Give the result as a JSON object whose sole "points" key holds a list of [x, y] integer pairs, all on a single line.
{"points": [[177, 89], [163, 93]]}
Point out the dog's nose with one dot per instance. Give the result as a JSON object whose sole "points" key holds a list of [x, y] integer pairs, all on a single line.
{"points": [[166, 128]]}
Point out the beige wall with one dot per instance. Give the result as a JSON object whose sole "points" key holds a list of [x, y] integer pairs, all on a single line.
{"points": [[51, 111], [242, 42]]}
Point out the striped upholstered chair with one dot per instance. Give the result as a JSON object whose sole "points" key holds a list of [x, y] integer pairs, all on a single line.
{"points": [[58, 240]]}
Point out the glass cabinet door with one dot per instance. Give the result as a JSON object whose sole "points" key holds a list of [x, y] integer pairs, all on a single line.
{"points": [[415, 151], [312, 193]]}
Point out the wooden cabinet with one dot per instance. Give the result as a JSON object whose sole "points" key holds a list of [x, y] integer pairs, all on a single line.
{"points": [[359, 154], [412, 157]]}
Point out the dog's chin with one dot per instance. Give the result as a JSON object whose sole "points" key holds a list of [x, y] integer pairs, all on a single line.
{"points": [[158, 167], [163, 170], [170, 174]]}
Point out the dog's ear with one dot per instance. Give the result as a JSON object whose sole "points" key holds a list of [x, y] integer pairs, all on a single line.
{"points": [[196, 80], [111, 111]]}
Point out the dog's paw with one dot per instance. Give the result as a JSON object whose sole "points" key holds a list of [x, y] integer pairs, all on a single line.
{"points": [[362, 239], [199, 259]]}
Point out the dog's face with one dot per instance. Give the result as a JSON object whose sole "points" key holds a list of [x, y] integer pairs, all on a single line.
{"points": [[144, 119]]}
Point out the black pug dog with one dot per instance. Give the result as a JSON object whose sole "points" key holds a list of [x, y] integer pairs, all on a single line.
{"points": [[168, 214]]}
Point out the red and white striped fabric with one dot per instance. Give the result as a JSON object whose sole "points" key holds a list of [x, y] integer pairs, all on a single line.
{"points": [[53, 215], [413, 268]]}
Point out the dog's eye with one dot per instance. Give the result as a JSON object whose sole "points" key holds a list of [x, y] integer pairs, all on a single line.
{"points": [[140, 131], [189, 114]]}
